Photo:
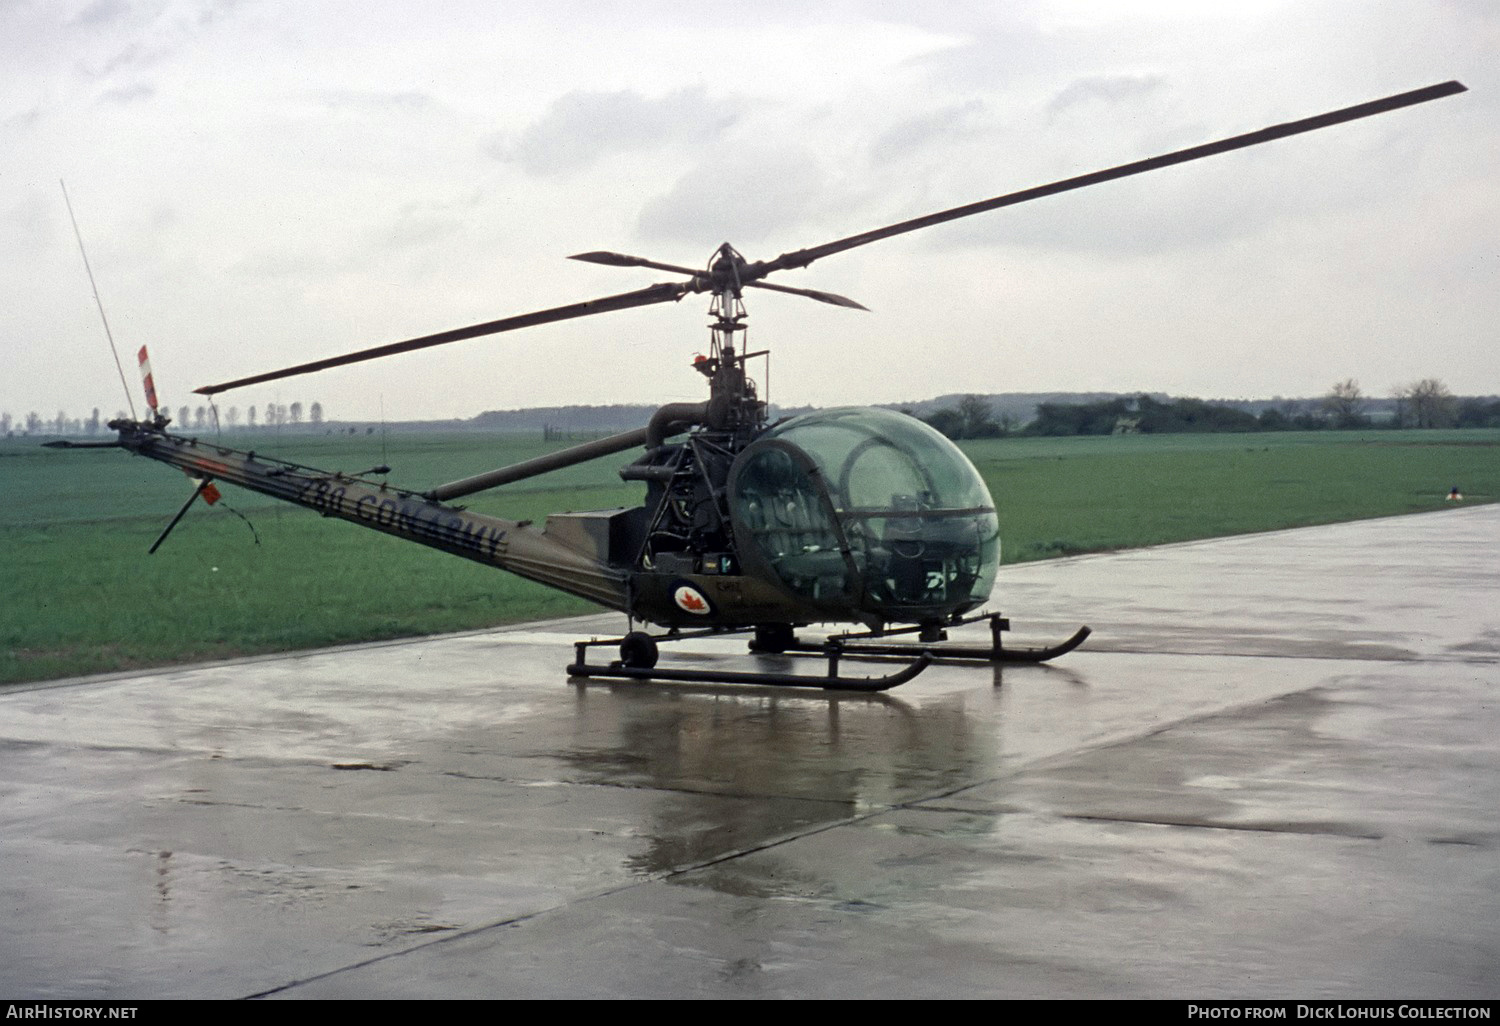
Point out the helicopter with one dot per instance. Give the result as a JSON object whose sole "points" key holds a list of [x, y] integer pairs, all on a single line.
{"points": [[851, 516]]}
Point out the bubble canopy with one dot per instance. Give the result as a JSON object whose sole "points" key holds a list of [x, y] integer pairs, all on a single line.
{"points": [[869, 508]]}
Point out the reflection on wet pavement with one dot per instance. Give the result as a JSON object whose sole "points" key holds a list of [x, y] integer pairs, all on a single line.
{"points": [[1270, 773]]}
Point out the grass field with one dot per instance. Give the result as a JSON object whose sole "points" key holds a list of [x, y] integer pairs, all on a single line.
{"points": [[78, 594]]}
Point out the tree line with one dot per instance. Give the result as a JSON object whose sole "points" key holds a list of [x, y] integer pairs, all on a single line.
{"points": [[1423, 404], [200, 418]]}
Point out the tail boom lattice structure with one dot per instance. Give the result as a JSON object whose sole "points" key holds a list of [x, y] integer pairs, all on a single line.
{"points": [[507, 544]]}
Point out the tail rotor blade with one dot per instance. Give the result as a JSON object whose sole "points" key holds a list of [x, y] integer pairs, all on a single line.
{"points": [[148, 382]]}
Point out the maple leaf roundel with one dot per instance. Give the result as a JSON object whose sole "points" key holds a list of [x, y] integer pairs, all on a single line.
{"points": [[690, 600]]}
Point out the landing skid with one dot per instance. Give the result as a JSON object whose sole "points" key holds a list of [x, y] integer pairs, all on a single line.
{"points": [[996, 652], [638, 656], [640, 649], [832, 681]]}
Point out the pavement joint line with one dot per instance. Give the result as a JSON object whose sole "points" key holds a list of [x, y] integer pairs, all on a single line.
{"points": [[268, 761], [420, 946], [1468, 507], [923, 804], [1415, 657], [1304, 831], [705, 792], [1211, 825], [1043, 762], [654, 878], [165, 669], [606, 892]]}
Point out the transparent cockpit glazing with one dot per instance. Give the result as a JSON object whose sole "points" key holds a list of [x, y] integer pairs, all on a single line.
{"points": [[920, 524]]}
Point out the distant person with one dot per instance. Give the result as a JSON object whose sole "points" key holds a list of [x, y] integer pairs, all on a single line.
{"points": [[1454, 495]]}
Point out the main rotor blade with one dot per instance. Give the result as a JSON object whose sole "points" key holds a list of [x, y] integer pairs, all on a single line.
{"points": [[664, 293], [803, 257], [823, 297], [626, 260]]}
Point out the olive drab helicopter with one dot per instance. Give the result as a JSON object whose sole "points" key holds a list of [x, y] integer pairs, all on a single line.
{"points": [[853, 516]]}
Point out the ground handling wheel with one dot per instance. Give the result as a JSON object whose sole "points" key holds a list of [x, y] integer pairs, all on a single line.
{"points": [[773, 638], [638, 650]]}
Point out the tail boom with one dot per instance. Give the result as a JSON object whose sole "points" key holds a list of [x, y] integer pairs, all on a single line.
{"points": [[506, 544]]}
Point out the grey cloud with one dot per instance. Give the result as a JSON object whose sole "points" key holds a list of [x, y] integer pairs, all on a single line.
{"points": [[23, 119], [31, 225], [217, 10], [405, 100], [291, 264], [162, 218], [1481, 10], [581, 127], [423, 224], [915, 132], [126, 58], [950, 16], [744, 197], [128, 94], [164, 31], [1106, 89], [132, 57], [102, 12], [995, 58]]}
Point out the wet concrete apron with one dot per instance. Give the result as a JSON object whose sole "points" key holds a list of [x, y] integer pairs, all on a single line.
{"points": [[1271, 772]]}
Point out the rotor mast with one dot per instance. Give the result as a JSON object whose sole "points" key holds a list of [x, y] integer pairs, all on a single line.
{"points": [[734, 404]]}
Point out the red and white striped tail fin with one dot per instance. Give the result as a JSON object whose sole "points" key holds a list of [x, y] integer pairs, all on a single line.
{"points": [[146, 379]]}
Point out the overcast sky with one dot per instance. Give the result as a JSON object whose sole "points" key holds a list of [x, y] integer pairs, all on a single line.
{"points": [[261, 183]]}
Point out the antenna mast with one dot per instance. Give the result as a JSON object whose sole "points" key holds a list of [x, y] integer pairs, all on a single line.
{"points": [[107, 333]]}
